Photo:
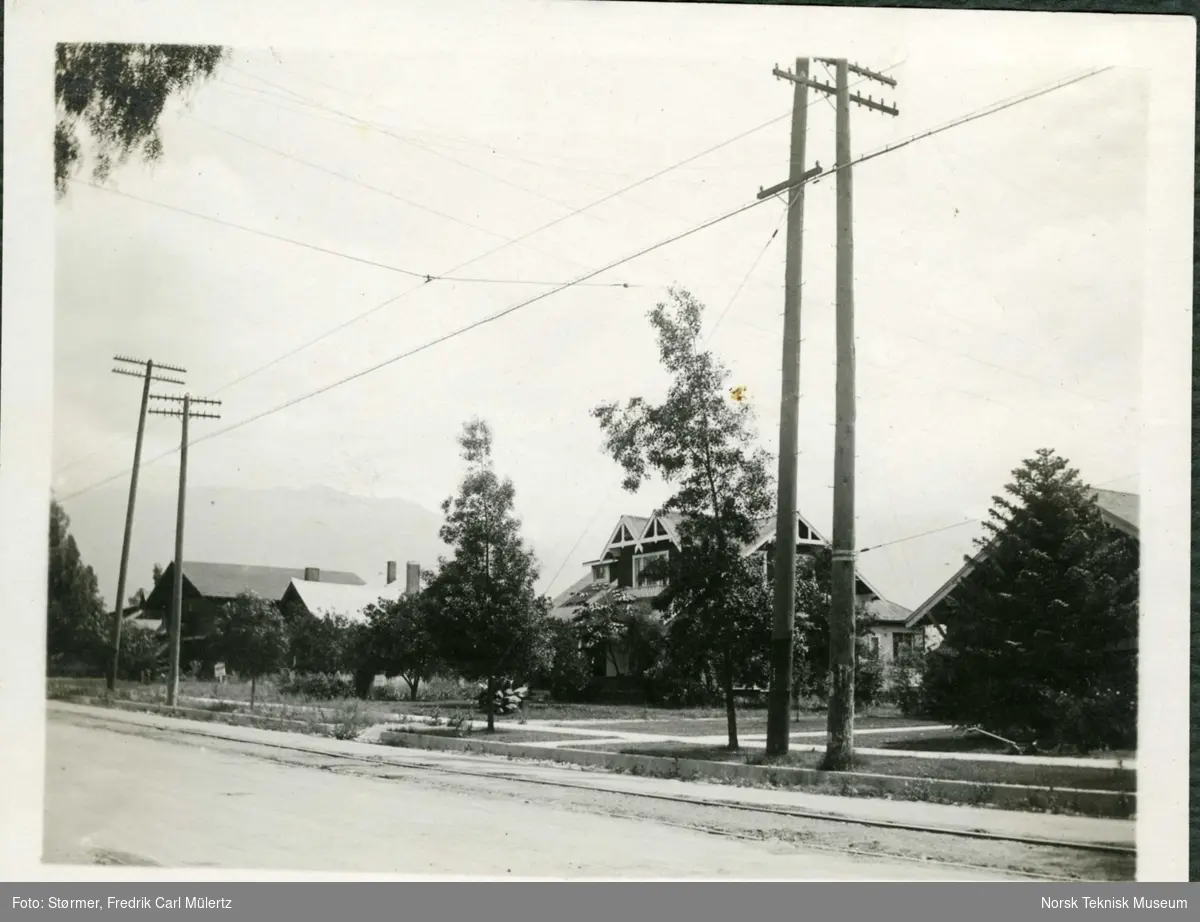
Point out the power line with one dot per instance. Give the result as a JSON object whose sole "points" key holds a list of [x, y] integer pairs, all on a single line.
{"points": [[539, 297], [424, 276], [922, 534], [358, 182], [609, 197], [443, 338], [746, 277]]}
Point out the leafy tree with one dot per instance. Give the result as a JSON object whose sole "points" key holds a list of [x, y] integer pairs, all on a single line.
{"points": [[724, 628], [814, 576], [76, 622], [703, 442], [400, 643], [252, 638], [117, 92], [567, 672], [1034, 632], [318, 645], [487, 620]]}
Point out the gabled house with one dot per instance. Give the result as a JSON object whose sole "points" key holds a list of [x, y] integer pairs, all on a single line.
{"points": [[208, 586], [339, 600], [622, 572], [1118, 510]]}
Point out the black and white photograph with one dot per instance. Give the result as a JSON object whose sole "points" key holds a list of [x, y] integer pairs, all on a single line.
{"points": [[594, 440]]}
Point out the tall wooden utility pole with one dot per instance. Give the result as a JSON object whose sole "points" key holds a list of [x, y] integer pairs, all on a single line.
{"points": [[176, 622], [839, 750], [147, 375], [780, 693]]}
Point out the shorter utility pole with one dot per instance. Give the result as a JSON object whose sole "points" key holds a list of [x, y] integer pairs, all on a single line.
{"points": [[185, 413], [147, 374]]}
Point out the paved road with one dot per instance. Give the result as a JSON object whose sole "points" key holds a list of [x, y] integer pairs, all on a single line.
{"points": [[151, 798]]}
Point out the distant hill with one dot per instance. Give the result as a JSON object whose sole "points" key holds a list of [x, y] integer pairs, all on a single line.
{"points": [[314, 527]]}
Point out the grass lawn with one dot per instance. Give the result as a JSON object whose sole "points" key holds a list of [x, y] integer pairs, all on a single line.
{"points": [[1058, 776]]}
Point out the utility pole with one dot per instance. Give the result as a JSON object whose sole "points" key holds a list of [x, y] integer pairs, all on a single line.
{"points": [[839, 750], [783, 626], [147, 374], [185, 413]]}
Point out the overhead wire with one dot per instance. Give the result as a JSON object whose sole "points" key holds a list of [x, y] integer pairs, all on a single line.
{"points": [[543, 295]]}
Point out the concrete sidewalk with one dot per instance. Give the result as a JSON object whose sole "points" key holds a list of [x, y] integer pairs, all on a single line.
{"points": [[1076, 829]]}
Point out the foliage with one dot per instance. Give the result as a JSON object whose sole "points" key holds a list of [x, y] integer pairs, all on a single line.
{"points": [[319, 645], [76, 623], [1033, 633], [611, 623], [568, 673], [814, 603], [703, 443], [506, 698], [117, 92], [319, 687], [398, 641], [251, 638], [488, 621], [143, 653]]}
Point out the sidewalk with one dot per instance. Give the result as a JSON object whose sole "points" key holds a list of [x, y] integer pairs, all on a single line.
{"points": [[1083, 830]]}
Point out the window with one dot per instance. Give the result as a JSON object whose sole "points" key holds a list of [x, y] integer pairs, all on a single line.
{"points": [[873, 644], [643, 561], [600, 571], [906, 646]]}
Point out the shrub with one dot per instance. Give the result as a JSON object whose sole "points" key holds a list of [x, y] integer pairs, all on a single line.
{"points": [[569, 675], [868, 677], [318, 687], [506, 699]]}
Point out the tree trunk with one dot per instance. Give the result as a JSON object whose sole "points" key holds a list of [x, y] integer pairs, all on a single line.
{"points": [[253, 686], [730, 710], [491, 704], [413, 685]]}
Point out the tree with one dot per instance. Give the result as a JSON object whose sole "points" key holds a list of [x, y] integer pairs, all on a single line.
{"points": [[1034, 633], [76, 627], [703, 442], [117, 92], [317, 645], [814, 574], [400, 643], [252, 638], [483, 612]]}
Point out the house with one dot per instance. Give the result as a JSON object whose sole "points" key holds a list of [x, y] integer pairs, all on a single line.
{"points": [[208, 586], [622, 572], [325, 599], [1118, 510]]}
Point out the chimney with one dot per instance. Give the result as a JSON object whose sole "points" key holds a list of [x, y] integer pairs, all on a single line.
{"points": [[312, 575], [391, 572], [413, 582]]}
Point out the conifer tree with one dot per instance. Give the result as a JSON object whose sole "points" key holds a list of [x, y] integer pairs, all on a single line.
{"points": [[1037, 634]]}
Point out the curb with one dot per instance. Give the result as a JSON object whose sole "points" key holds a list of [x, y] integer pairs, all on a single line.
{"points": [[1095, 803], [1107, 804]]}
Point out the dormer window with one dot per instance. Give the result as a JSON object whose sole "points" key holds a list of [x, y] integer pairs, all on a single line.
{"points": [[601, 571]]}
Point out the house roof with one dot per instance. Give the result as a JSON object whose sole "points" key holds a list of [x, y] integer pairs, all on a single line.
{"points": [[338, 599], [566, 604], [881, 611], [1119, 510], [228, 580]]}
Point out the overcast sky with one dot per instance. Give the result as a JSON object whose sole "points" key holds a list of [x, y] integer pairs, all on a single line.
{"points": [[998, 279]]}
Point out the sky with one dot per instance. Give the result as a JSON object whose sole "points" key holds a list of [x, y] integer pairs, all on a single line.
{"points": [[998, 279]]}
